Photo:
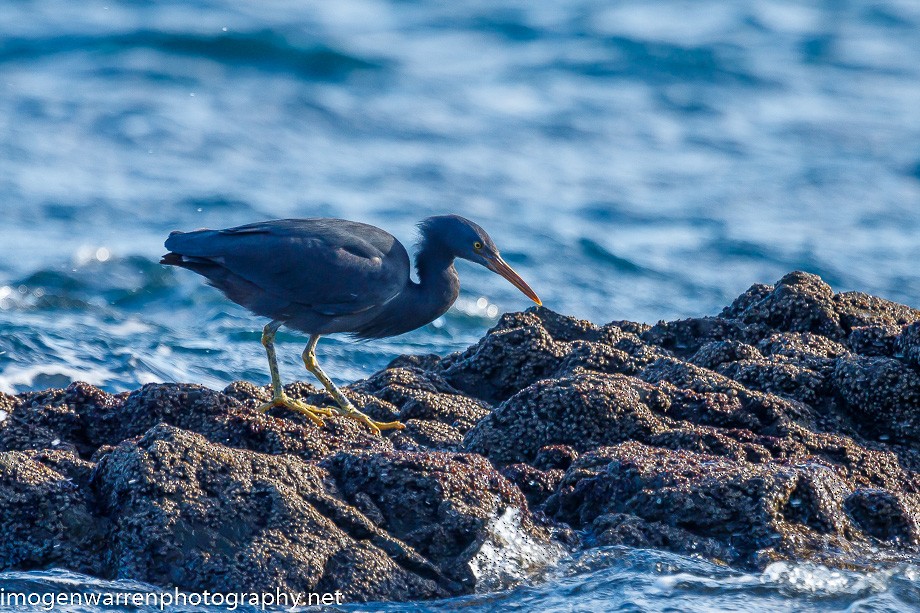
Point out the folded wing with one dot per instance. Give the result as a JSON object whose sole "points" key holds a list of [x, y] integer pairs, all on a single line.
{"points": [[331, 268]]}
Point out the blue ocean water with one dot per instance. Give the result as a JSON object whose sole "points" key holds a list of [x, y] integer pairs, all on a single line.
{"points": [[599, 580], [635, 160]]}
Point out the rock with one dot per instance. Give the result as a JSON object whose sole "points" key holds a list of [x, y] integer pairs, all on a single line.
{"points": [[715, 353], [800, 302], [47, 518], [784, 428], [597, 357], [7, 402], [57, 419], [883, 515], [399, 385], [504, 362], [536, 485], [423, 395], [857, 309], [753, 295], [863, 466], [103, 420], [623, 529], [778, 378], [882, 393], [584, 411], [560, 327], [734, 404], [197, 515], [522, 349], [747, 512], [439, 504], [423, 434], [248, 393], [800, 346], [555, 457], [457, 411], [874, 340], [688, 336], [426, 362], [907, 344]]}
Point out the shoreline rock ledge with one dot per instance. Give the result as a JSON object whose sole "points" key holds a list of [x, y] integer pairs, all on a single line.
{"points": [[787, 427]]}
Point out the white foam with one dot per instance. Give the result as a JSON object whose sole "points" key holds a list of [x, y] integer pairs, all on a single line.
{"points": [[15, 378], [509, 555], [678, 581], [809, 578], [128, 328]]}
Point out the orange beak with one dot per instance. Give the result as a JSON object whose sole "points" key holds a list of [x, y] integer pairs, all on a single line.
{"points": [[497, 265]]}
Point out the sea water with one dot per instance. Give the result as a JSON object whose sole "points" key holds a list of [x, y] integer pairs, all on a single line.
{"points": [[639, 160]]}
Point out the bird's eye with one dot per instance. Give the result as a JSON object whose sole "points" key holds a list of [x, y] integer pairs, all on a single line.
{"points": [[477, 245]]}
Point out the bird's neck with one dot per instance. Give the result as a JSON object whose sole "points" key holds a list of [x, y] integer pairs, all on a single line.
{"points": [[438, 286]]}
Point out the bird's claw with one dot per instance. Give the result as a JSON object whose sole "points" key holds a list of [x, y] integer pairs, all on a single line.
{"points": [[313, 413], [375, 426]]}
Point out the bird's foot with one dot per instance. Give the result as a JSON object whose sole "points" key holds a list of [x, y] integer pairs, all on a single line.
{"points": [[375, 426], [313, 413]]}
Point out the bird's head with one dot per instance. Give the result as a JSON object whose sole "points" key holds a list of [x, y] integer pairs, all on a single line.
{"points": [[464, 239]]}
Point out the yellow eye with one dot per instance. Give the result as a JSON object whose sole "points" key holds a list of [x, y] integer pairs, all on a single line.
{"points": [[477, 245]]}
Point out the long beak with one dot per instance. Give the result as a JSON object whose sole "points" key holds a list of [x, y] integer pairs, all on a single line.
{"points": [[497, 265]]}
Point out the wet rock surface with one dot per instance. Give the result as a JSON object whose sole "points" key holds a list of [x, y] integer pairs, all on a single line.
{"points": [[786, 427]]}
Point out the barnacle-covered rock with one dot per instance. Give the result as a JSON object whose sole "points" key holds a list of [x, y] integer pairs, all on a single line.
{"points": [[785, 427]]}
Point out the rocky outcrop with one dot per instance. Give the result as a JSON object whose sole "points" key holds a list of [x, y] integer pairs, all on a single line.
{"points": [[205, 493], [184, 511], [786, 427]]}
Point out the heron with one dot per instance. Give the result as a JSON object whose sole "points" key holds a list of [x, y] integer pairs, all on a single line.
{"points": [[324, 276]]}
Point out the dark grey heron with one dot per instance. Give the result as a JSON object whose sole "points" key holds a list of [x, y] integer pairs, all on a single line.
{"points": [[323, 276]]}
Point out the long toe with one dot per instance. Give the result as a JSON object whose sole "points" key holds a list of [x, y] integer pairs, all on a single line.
{"points": [[313, 413], [390, 425], [375, 426]]}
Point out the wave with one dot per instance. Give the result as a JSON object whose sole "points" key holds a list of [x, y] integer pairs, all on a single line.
{"points": [[599, 253], [663, 62], [627, 579], [265, 49], [615, 578], [95, 278]]}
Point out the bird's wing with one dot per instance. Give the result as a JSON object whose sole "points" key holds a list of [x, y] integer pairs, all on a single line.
{"points": [[332, 266]]}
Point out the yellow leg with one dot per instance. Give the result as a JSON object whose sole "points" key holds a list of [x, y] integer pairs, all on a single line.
{"points": [[346, 408], [279, 398]]}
